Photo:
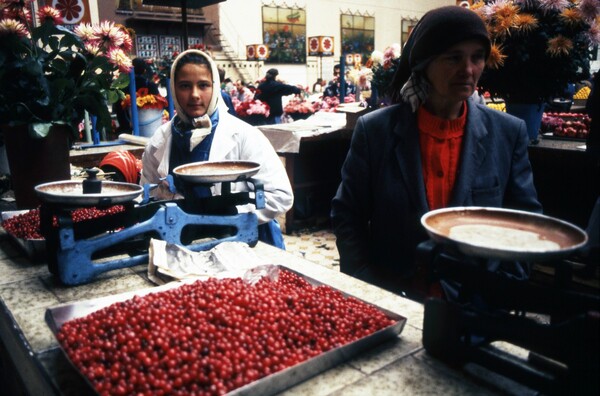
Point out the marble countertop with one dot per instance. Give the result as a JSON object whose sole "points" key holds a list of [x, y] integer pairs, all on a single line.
{"points": [[399, 366]]}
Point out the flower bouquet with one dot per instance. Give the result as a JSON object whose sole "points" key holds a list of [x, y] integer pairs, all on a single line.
{"points": [[145, 100], [538, 46], [50, 75], [254, 112], [299, 109], [384, 65]]}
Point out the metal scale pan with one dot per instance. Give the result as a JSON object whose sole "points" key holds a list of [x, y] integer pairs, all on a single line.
{"points": [[209, 172], [503, 234], [71, 193]]}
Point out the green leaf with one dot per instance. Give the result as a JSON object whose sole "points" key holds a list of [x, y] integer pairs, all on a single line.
{"points": [[121, 82]]}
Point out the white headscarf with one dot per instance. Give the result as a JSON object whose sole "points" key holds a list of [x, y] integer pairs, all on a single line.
{"points": [[202, 124]]}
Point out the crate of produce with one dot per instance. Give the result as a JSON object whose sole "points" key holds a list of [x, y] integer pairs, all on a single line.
{"points": [[571, 126]]}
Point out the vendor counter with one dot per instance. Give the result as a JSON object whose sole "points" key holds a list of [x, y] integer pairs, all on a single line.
{"points": [[313, 152], [32, 363]]}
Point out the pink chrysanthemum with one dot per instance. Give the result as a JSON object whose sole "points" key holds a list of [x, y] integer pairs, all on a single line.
{"points": [[109, 34], [120, 59], [590, 9], [93, 48], [13, 27], [85, 31], [48, 13], [127, 45]]}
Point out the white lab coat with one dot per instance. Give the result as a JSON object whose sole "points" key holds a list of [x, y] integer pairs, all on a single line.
{"points": [[234, 140]]}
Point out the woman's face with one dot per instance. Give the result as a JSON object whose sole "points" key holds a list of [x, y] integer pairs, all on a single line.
{"points": [[193, 89], [454, 74]]}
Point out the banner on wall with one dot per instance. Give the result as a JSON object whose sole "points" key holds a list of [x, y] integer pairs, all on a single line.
{"points": [[257, 52], [76, 11], [262, 52], [251, 52], [320, 46]]}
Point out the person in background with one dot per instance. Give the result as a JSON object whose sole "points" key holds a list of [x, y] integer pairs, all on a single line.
{"points": [[142, 80], [225, 94], [271, 91], [242, 92], [333, 88], [434, 148], [203, 130], [318, 86]]}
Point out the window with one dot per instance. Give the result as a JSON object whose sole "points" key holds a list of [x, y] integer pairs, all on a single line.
{"points": [[358, 34], [170, 45], [284, 32], [146, 46]]}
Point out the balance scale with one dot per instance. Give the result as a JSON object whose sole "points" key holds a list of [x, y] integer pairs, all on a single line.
{"points": [[80, 251]]}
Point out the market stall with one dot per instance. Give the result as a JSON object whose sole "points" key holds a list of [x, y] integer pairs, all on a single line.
{"points": [[181, 295], [33, 359]]}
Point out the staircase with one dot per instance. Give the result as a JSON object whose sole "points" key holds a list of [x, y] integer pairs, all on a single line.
{"points": [[224, 35]]}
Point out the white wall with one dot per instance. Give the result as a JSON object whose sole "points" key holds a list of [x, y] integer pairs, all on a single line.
{"points": [[241, 23]]}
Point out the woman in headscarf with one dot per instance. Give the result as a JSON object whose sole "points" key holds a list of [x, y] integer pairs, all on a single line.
{"points": [[434, 148], [203, 130]]}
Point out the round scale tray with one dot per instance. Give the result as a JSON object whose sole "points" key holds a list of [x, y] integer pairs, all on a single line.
{"points": [[505, 234], [71, 193], [216, 171]]}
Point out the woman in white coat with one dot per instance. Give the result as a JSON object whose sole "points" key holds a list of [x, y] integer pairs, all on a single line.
{"points": [[202, 130]]}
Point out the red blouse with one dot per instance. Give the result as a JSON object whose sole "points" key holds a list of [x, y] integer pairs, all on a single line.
{"points": [[441, 142]]}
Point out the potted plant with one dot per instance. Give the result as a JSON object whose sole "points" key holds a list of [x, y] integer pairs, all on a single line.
{"points": [[539, 47], [49, 77], [150, 110]]}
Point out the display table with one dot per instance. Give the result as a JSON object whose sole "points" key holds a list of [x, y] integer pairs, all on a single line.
{"points": [[566, 179], [31, 359]]}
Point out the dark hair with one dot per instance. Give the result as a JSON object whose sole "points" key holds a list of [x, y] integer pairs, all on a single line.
{"points": [[271, 74], [191, 58], [139, 66], [221, 73]]}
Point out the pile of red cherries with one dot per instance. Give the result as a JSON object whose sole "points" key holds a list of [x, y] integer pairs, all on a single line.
{"points": [[211, 337], [27, 225]]}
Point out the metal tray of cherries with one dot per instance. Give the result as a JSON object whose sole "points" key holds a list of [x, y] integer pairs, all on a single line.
{"points": [[259, 334]]}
